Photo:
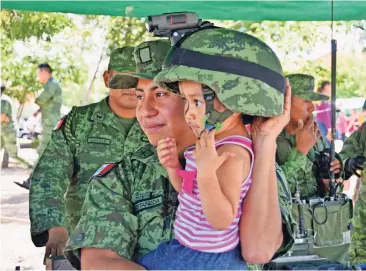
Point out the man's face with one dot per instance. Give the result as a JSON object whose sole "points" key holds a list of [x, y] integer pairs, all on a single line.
{"points": [[301, 109], [159, 112], [125, 98], [43, 76]]}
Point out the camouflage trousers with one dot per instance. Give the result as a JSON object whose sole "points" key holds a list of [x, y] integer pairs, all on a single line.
{"points": [[47, 128], [358, 251], [9, 143]]}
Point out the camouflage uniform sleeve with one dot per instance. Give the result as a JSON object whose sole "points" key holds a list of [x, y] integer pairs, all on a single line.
{"points": [[49, 92], [6, 108], [49, 182], [288, 222], [107, 220], [354, 145], [292, 161]]}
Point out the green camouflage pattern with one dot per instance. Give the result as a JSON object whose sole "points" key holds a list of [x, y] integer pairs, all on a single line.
{"points": [[149, 57], [238, 93], [130, 209], [298, 167], [50, 102], [121, 60], [9, 131], [288, 222], [356, 145], [302, 85], [89, 137]]}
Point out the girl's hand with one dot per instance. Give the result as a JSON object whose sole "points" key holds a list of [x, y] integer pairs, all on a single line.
{"points": [[272, 127], [168, 153], [207, 158]]}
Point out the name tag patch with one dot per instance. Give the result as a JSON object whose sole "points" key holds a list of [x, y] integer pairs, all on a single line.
{"points": [[147, 204], [98, 140]]}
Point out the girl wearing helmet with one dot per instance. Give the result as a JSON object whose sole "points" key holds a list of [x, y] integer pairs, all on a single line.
{"points": [[223, 75]]}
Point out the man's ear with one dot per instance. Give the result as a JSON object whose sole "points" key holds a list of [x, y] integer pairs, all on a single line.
{"points": [[106, 78]]}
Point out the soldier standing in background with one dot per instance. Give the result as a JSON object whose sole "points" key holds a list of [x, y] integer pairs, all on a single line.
{"points": [[9, 132], [49, 101]]}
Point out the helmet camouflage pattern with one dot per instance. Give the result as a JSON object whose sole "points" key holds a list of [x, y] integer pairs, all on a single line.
{"points": [[244, 72]]}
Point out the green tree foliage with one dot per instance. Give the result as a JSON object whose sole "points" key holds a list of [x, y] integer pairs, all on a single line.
{"points": [[28, 38]]}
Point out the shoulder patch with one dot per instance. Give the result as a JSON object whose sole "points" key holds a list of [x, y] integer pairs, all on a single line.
{"points": [[60, 123], [103, 170]]}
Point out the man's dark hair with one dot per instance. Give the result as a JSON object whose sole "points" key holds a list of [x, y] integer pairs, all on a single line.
{"points": [[45, 66], [324, 84], [2, 88]]}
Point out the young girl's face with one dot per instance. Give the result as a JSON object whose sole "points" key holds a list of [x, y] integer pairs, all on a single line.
{"points": [[195, 106]]}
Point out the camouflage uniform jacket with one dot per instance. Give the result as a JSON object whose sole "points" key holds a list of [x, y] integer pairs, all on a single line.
{"points": [[88, 137], [50, 100], [8, 110], [129, 209], [288, 222], [298, 167], [356, 145]]}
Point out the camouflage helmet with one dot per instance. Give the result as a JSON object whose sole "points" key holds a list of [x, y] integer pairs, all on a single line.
{"points": [[302, 85], [245, 73]]}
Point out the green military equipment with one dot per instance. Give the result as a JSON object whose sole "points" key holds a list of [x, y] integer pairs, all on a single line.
{"points": [[330, 242], [174, 25], [149, 57], [245, 74], [302, 85]]}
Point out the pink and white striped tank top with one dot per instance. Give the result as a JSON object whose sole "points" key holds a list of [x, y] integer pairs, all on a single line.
{"points": [[191, 227]]}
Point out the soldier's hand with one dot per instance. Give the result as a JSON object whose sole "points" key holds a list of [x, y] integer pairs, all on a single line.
{"points": [[57, 238], [272, 127], [335, 166], [307, 135], [168, 153], [355, 165], [4, 118]]}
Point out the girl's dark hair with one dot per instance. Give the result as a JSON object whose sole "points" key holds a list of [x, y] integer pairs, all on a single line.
{"points": [[247, 119]]}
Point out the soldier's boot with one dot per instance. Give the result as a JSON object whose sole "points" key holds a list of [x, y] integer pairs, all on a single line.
{"points": [[25, 184]]}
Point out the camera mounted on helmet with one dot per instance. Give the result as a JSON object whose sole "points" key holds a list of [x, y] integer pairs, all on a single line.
{"points": [[175, 25]]}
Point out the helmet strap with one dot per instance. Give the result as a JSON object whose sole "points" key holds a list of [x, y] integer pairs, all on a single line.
{"points": [[213, 118]]}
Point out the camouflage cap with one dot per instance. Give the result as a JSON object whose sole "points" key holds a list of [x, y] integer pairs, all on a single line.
{"points": [[122, 60], [302, 85], [244, 72], [149, 57]]}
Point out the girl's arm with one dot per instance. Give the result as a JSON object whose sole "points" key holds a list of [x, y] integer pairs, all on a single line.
{"points": [[175, 179], [220, 175]]}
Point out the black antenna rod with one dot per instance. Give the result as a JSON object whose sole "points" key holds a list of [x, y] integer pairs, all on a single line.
{"points": [[332, 191]]}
